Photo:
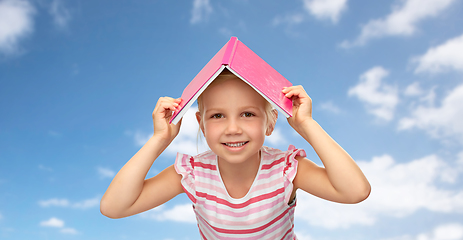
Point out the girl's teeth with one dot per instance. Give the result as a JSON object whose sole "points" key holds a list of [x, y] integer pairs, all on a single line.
{"points": [[235, 144]]}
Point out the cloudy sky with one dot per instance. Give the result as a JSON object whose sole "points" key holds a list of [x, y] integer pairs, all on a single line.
{"points": [[79, 80]]}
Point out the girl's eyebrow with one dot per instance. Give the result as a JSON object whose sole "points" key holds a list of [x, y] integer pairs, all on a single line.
{"points": [[221, 110], [214, 110], [247, 107]]}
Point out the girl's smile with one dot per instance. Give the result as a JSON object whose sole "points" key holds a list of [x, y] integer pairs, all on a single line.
{"points": [[235, 145]]}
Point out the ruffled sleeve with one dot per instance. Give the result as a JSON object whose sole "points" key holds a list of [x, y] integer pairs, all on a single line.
{"points": [[290, 169], [184, 165]]}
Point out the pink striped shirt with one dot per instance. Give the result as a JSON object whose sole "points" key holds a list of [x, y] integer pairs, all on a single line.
{"points": [[264, 213]]}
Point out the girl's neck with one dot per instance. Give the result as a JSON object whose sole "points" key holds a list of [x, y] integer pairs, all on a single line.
{"points": [[245, 168], [239, 177]]}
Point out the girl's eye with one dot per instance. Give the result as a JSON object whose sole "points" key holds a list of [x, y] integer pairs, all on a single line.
{"points": [[217, 115], [247, 114]]}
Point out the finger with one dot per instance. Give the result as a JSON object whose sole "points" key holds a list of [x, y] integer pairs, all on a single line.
{"points": [[288, 89], [294, 93], [168, 107], [179, 122], [165, 108], [168, 100], [178, 125], [291, 88]]}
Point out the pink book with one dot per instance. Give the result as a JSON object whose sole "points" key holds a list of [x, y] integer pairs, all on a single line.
{"points": [[246, 65]]}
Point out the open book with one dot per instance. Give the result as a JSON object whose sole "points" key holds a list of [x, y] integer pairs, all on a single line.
{"points": [[246, 65]]}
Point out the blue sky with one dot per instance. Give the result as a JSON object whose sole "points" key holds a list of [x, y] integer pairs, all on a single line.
{"points": [[79, 80]]}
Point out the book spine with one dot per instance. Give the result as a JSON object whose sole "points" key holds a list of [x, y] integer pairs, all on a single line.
{"points": [[228, 55]]}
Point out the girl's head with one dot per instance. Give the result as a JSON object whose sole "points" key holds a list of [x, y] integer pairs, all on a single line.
{"points": [[234, 118], [270, 112]]}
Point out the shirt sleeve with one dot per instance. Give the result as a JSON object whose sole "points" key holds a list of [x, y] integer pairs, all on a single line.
{"points": [[290, 169], [184, 165]]}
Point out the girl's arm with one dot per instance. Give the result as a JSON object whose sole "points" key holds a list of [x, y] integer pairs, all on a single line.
{"points": [[341, 180], [129, 193]]}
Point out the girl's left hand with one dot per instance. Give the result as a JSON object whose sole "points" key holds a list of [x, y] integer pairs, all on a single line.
{"points": [[302, 105]]}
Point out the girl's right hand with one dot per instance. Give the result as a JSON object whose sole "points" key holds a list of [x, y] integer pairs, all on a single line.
{"points": [[161, 116]]}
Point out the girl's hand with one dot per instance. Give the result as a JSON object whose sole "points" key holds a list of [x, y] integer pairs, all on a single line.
{"points": [[302, 105], [161, 116]]}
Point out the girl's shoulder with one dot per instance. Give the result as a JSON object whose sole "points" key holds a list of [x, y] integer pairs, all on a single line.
{"points": [[188, 162], [204, 155], [292, 151], [285, 159], [283, 163]]}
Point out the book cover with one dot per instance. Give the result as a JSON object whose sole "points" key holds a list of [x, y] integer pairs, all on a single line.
{"points": [[246, 65]]}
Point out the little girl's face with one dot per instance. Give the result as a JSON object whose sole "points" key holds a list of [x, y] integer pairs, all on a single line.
{"points": [[234, 120]]}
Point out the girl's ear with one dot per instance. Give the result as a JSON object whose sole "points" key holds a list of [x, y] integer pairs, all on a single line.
{"points": [[269, 130], [271, 122], [198, 118]]}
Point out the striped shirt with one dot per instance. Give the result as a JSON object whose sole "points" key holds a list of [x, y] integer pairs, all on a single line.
{"points": [[264, 213]]}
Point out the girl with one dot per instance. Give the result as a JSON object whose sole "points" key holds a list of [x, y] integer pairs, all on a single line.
{"points": [[240, 189]]}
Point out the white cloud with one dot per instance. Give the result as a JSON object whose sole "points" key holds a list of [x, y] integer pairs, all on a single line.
{"points": [[379, 98], [55, 202], [140, 138], [87, 203], [277, 139], [290, 19], [84, 204], [52, 222], [415, 92], [330, 107], [302, 236], [58, 223], [413, 89], [326, 9], [460, 161], [225, 31], [15, 24], [398, 190], [106, 172], [321, 9], [441, 58], [201, 10], [402, 21], [59, 12], [69, 231], [450, 231], [331, 215], [179, 213], [443, 121]]}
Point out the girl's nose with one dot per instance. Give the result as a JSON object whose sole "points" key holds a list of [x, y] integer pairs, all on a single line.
{"points": [[233, 127]]}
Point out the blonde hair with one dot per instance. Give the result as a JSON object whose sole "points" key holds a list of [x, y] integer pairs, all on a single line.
{"points": [[270, 112]]}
